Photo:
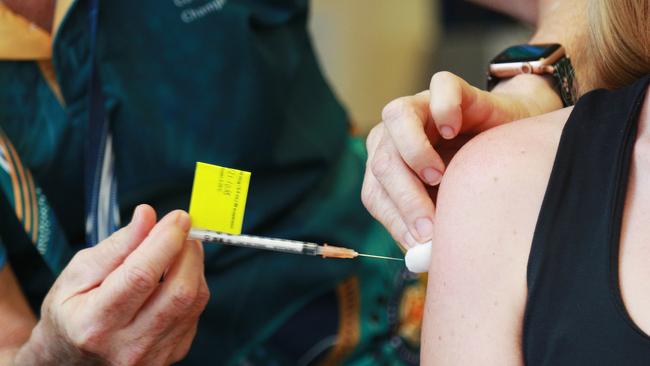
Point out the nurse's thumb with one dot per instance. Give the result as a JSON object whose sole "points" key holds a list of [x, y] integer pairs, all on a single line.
{"points": [[93, 265], [113, 250]]}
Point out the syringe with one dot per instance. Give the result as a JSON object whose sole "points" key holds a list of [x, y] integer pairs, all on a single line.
{"points": [[280, 245]]}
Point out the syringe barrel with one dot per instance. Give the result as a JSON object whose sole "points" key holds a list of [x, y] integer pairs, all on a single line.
{"points": [[256, 242]]}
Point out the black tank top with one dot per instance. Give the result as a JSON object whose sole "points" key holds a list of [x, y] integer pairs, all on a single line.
{"points": [[574, 313]]}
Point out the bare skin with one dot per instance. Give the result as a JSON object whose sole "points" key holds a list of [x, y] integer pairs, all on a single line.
{"points": [[407, 151], [15, 316], [109, 305], [40, 12], [488, 205]]}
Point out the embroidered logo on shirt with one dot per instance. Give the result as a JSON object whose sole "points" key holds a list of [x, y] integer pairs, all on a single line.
{"points": [[193, 10]]}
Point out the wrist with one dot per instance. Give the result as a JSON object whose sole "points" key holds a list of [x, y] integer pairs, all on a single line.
{"points": [[537, 94], [38, 350]]}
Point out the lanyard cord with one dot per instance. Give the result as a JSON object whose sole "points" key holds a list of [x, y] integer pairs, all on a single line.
{"points": [[102, 211]]}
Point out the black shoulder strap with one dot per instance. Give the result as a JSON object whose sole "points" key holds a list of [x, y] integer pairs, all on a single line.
{"points": [[571, 260]]}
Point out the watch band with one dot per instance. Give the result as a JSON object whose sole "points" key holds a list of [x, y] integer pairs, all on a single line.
{"points": [[564, 75]]}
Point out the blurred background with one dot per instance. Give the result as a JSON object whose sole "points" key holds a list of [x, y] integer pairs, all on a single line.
{"points": [[373, 51]]}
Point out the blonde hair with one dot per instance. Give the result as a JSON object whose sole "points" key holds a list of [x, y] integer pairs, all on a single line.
{"points": [[620, 37]]}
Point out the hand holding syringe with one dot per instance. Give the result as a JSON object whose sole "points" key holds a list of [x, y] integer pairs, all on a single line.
{"points": [[280, 245]]}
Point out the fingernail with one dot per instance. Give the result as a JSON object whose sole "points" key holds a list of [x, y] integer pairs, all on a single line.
{"points": [[446, 132], [431, 176], [424, 227], [183, 220]]}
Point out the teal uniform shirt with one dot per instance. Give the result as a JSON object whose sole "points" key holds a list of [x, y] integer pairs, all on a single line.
{"points": [[3, 255], [234, 83]]}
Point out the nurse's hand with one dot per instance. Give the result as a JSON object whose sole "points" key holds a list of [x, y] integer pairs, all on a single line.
{"points": [[134, 299], [408, 150]]}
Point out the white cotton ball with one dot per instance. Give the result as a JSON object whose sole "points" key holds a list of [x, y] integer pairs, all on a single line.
{"points": [[418, 258]]}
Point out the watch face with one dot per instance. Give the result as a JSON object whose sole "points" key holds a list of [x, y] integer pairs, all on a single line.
{"points": [[525, 53]]}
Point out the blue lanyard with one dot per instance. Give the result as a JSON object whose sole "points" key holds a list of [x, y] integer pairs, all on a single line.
{"points": [[102, 211], [19, 189]]}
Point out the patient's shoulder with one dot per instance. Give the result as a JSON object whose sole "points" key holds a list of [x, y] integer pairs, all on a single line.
{"points": [[514, 148], [494, 186], [515, 157], [486, 213], [504, 171]]}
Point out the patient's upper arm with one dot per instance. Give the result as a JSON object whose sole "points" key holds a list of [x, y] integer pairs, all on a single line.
{"points": [[487, 209]]}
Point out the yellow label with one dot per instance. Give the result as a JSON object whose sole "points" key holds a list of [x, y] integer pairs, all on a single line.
{"points": [[219, 198]]}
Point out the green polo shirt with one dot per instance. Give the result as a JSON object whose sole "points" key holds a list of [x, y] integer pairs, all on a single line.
{"points": [[234, 83]]}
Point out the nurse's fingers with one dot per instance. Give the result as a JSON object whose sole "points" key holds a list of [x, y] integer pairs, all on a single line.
{"points": [[408, 122], [456, 106], [127, 288], [90, 267], [408, 194], [446, 96], [378, 203], [175, 306]]}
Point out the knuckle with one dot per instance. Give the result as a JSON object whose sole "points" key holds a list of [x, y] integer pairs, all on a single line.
{"points": [[395, 108], [441, 112], [373, 137], [393, 222], [418, 149], [390, 221], [182, 298], [88, 338], [367, 196], [141, 279], [80, 258], [201, 301], [202, 297], [410, 204], [371, 199], [78, 266], [441, 75], [160, 323], [380, 164], [112, 243]]}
